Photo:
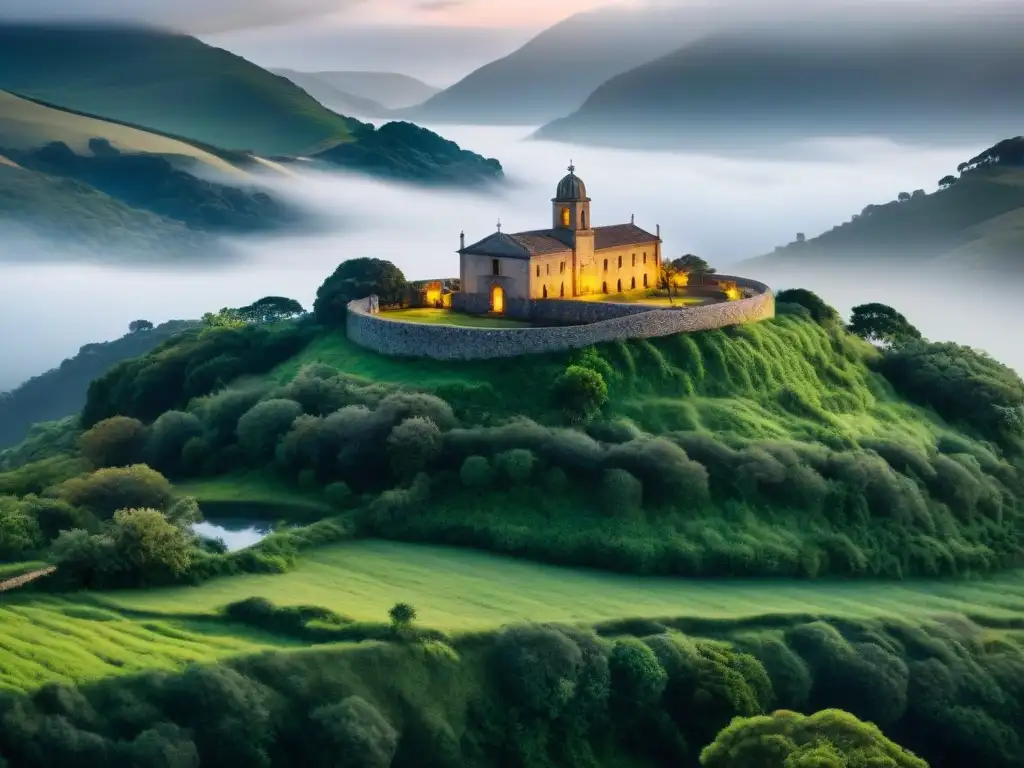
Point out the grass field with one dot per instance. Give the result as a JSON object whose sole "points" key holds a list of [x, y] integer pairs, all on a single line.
{"points": [[432, 316], [252, 495], [25, 124], [456, 589], [46, 639]]}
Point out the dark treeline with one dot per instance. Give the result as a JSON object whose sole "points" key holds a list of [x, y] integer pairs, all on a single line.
{"points": [[636, 692]]}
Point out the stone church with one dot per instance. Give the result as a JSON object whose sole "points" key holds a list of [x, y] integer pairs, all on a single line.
{"points": [[572, 258]]}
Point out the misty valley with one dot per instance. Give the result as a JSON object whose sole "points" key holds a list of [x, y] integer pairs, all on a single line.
{"points": [[452, 384]]}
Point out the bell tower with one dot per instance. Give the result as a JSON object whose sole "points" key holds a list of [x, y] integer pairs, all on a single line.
{"points": [[570, 205]]}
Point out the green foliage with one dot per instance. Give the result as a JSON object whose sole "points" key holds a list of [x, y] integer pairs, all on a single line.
{"points": [[271, 309], [402, 615], [114, 442], [353, 734], [338, 495], [690, 263], [412, 445], [828, 739], [168, 436], [812, 302], [580, 392], [881, 324], [356, 279], [107, 490], [621, 493], [476, 472], [517, 465], [964, 386], [264, 424], [192, 364], [19, 529], [637, 678]]}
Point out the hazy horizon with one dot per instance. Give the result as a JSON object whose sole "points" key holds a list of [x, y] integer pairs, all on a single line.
{"points": [[724, 209]]}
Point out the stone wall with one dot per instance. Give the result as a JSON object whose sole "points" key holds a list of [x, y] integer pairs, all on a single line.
{"points": [[446, 342]]}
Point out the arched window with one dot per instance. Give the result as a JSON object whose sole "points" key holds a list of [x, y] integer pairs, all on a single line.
{"points": [[645, 257], [495, 270], [634, 259], [604, 287], [565, 217], [538, 270], [561, 290], [545, 291], [606, 265], [547, 269], [561, 268], [620, 262], [645, 279], [632, 283], [583, 220], [618, 286]]}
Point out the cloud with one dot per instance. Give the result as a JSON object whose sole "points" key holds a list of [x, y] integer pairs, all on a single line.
{"points": [[431, 6], [196, 16]]}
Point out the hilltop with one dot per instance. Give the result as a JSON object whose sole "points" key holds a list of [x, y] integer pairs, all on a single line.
{"points": [[370, 94], [942, 82], [333, 97], [974, 222], [175, 85]]}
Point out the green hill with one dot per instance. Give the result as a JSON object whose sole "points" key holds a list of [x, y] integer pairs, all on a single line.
{"points": [[823, 79], [61, 391], [176, 85], [974, 222]]}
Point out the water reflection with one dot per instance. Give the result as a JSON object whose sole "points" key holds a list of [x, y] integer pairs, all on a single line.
{"points": [[236, 534]]}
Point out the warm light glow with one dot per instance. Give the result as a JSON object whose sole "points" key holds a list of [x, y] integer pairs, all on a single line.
{"points": [[681, 279], [497, 299], [433, 296], [565, 217]]}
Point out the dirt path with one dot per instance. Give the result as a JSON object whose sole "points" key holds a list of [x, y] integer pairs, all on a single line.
{"points": [[25, 578]]}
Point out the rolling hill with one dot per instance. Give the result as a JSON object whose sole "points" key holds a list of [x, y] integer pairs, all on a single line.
{"points": [[333, 97], [389, 89], [974, 224], [176, 85], [942, 83], [554, 72]]}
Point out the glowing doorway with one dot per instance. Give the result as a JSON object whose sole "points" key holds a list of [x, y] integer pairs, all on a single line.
{"points": [[497, 299]]}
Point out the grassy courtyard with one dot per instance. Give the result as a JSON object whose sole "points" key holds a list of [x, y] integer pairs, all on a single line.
{"points": [[656, 298], [433, 316]]}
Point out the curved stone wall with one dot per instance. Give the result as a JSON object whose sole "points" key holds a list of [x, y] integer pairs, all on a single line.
{"points": [[449, 342]]}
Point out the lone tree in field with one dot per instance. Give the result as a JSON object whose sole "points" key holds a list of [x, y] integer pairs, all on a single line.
{"points": [[136, 326], [402, 616], [881, 324]]}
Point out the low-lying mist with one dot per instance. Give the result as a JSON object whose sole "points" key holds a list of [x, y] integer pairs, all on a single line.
{"points": [[722, 209]]}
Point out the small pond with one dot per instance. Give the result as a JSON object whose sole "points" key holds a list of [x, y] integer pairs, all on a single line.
{"points": [[236, 534]]}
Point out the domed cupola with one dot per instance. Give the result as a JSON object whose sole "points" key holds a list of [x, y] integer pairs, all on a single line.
{"points": [[571, 188]]}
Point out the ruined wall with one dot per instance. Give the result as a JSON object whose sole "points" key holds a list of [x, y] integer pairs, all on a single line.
{"points": [[632, 321]]}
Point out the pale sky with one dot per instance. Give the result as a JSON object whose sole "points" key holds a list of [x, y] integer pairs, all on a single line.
{"points": [[469, 13]]}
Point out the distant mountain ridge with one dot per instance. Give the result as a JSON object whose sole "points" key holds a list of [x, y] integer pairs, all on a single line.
{"points": [[939, 83], [332, 97], [554, 72], [390, 90]]}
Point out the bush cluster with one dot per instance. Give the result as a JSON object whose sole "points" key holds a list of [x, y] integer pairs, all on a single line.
{"points": [[637, 692]]}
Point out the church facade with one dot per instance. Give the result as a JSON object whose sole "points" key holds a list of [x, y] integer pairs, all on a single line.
{"points": [[571, 259]]}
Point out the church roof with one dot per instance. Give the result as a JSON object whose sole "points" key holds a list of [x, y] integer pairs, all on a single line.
{"points": [[543, 242], [617, 235], [520, 245]]}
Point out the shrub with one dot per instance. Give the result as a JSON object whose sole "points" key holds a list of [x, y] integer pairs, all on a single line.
{"points": [[517, 465], [167, 438], [537, 668], [476, 472], [580, 392], [339, 495], [264, 424], [821, 313], [412, 445], [354, 734], [637, 677], [114, 442], [108, 490], [149, 545], [19, 531], [555, 480], [621, 493], [828, 738], [402, 615]]}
